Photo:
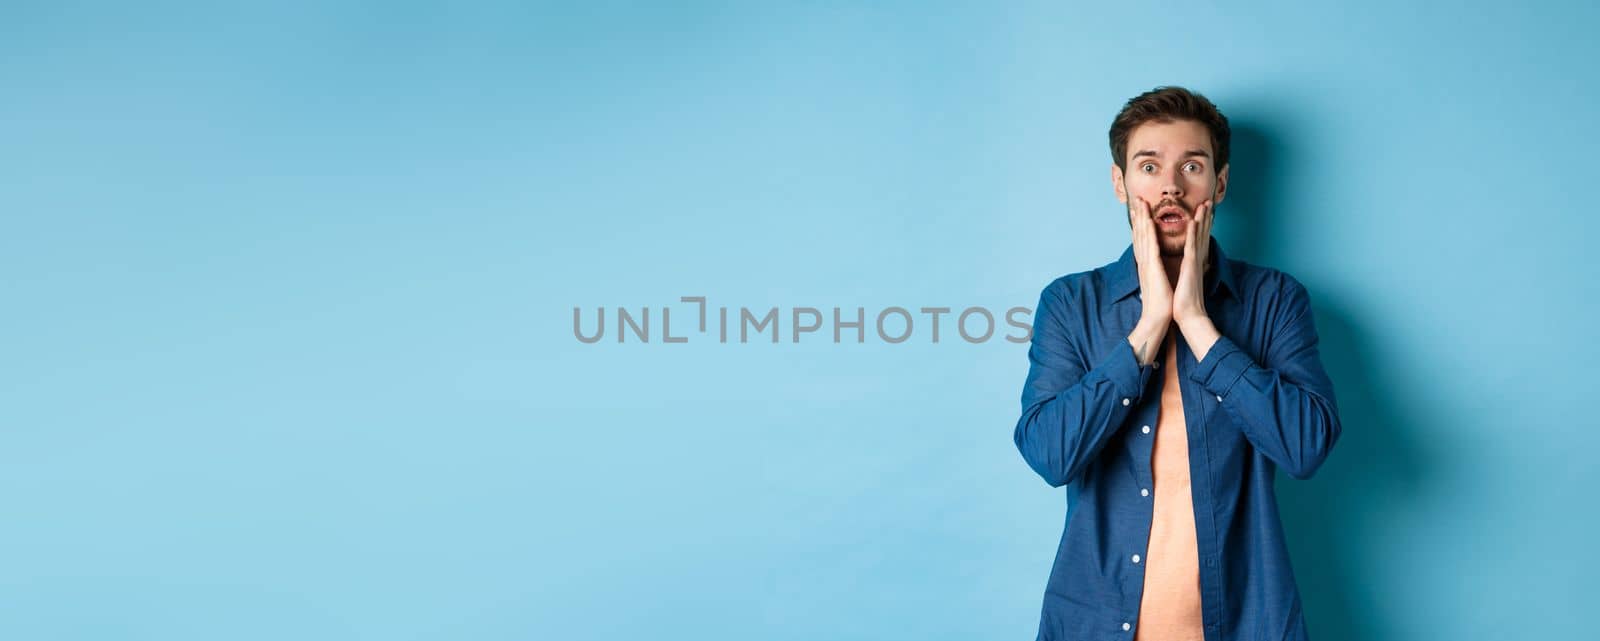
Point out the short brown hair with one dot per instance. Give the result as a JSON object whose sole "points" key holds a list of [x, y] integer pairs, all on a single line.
{"points": [[1163, 105]]}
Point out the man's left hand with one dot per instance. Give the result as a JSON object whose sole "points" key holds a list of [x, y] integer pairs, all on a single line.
{"points": [[1188, 296]]}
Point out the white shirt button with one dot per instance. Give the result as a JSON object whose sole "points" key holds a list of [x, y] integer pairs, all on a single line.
{"points": [[1145, 429], [1135, 558], [1144, 492], [1125, 401], [1219, 400], [1126, 626]]}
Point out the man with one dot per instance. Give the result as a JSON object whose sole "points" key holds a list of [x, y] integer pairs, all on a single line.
{"points": [[1165, 390]]}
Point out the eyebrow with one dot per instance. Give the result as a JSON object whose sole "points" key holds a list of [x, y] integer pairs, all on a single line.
{"points": [[1186, 154]]}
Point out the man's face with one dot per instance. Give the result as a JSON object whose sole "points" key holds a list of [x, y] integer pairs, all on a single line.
{"points": [[1170, 166]]}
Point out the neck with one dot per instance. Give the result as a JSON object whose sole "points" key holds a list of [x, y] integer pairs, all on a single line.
{"points": [[1174, 266]]}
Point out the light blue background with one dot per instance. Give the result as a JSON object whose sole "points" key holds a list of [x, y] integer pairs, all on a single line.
{"points": [[288, 296]]}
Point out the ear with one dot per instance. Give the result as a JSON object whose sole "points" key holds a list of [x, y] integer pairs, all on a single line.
{"points": [[1222, 186], [1116, 184]]}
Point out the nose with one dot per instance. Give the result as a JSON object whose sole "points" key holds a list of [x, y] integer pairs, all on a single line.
{"points": [[1172, 189]]}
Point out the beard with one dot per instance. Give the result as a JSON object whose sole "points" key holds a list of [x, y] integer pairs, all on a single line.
{"points": [[1171, 243], [1171, 246]]}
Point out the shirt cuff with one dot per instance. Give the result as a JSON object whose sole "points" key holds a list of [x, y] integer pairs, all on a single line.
{"points": [[1224, 364], [1122, 368]]}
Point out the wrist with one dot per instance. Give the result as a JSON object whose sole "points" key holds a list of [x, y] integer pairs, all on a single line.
{"points": [[1146, 338], [1153, 320], [1201, 334], [1189, 317], [1152, 329]]}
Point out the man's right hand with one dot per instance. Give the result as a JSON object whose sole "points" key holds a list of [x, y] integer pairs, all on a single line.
{"points": [[1155, 291]]}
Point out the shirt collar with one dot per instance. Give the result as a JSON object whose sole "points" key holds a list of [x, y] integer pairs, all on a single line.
{"points": [[1123, 275]]}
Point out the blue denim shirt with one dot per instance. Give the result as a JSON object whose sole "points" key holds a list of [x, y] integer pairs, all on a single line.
{"points": [[1259, 402]]}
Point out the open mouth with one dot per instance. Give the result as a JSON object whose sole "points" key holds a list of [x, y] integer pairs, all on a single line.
{"points": [[1170, 216]]}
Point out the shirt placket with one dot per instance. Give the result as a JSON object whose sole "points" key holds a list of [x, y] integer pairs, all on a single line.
{"points": [[1144, 470], [1196, 412]]}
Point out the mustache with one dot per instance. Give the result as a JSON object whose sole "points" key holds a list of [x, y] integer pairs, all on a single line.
{"points": [[1156, 209]]}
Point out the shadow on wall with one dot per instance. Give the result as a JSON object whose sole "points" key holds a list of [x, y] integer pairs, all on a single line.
{"points": [[1335, 520]]}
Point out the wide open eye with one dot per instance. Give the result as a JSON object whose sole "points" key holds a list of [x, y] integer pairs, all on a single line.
{"points": [[1147, 167], [1193, 166]]}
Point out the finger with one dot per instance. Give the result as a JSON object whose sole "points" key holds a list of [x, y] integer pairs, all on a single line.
{"points": [[1137, 227], [1141, 213], [1189, 247]]}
